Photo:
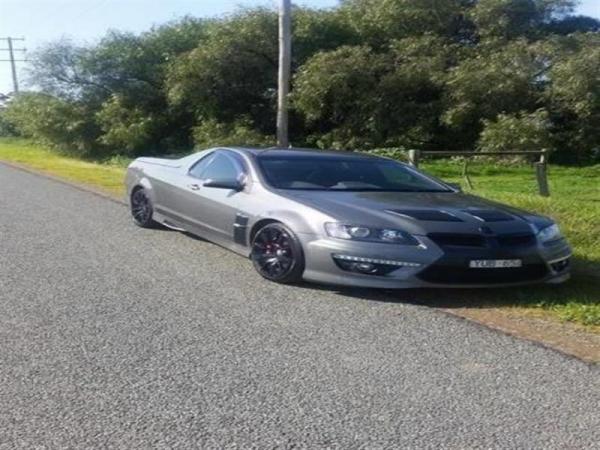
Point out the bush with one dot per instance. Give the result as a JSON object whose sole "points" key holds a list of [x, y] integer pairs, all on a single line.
{"points": [[516, 132], [127, 129], [7, 129], [211, 133], [60, 124]]}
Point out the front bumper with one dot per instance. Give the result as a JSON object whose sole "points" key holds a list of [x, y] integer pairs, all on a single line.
{"points": [[432, 266]]}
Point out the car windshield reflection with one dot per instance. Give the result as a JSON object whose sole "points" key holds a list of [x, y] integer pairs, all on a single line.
{"points": [[344, 174]]}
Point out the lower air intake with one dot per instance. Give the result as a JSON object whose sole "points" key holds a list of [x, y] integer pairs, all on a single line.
{"points": [[441, 274]]}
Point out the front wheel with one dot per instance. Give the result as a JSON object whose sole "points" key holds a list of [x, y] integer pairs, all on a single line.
{"points": [[277, 254], [141, 209]]}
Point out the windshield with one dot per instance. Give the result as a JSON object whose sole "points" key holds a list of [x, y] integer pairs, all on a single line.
{"points": [[344, 174]]}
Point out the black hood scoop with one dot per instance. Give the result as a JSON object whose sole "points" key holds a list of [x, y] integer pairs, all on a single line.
{"points": [[490, 215], [439, 215], [431, 215]]}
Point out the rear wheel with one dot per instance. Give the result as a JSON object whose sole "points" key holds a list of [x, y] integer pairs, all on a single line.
{"points": [[141, 209], [277, 254]]}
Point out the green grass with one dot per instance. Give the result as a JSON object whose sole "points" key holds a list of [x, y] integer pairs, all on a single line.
{"points": [[107, 177], [575, 204]]}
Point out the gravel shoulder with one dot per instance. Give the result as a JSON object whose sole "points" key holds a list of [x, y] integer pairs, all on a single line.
{"points": [[571, 339], [120, 337]]}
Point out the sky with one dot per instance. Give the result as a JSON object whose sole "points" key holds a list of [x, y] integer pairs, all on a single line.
{"points": [[41, 21]]}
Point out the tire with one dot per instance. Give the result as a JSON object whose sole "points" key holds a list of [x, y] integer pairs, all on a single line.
{"points": [[277, 254], [142, 209]]}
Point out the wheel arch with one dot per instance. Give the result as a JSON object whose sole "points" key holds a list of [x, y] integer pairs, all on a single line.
{"points": [[141, 183], [295, 272], [258, 225], [291, 219]]}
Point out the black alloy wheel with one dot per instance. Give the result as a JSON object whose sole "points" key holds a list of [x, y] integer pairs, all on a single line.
{"points": [[141, 209], [277, 254]]}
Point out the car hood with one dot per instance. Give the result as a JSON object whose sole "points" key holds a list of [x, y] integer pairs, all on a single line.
{"points": [[420, 212]]}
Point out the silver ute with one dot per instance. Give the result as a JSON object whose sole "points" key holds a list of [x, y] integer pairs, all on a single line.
{"points": [[345, 218]]}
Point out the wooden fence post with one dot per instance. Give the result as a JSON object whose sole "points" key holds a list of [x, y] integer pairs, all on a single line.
{"points": [[413, 157], [541, 174], [465, 173]]}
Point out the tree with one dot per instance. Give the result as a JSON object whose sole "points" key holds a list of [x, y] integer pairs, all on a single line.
{"points": [[516, 132], [354, 96], [429, 74], [241, 132], [380, 21], [123, 75], [572, 24], [338, 93], [233, 72], [64, 125], [492, 81], [574, 96], [128, 128], [412, 91], [510, 19], [319, 30]]}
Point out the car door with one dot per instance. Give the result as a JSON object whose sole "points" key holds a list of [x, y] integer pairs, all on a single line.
{"points": [[176, 192], [213, 203]]}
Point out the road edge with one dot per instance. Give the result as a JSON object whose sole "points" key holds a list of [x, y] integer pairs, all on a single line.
{"points": [[525, 336]]}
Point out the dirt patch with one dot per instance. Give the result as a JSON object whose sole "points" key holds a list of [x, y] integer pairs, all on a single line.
{"points": [[572, 339]]}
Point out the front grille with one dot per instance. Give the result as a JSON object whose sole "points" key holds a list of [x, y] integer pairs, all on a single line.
{"points": [[511, 240], [457, 240], [442, 274], [476, 240]]}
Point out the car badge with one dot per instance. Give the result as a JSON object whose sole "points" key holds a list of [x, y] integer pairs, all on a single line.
{"points": [[486, 230]]}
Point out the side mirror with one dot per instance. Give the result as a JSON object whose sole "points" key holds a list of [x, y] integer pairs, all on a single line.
{"points": [[455, 186], [224, 184]]}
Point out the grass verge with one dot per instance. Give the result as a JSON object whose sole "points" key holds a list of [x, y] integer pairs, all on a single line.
{"points": [[106, 177], [575, 204]]}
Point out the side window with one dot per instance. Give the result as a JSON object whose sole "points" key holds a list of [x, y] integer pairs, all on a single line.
{"points": [[222, 168], [396, 176], [198, 168]]}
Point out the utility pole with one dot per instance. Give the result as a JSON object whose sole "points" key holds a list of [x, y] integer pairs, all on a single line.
{"points": [[11, 54], [285, 63]]}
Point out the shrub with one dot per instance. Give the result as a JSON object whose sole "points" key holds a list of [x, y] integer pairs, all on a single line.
{"points": [[6, 127], [60, 124], [127, 129], [211, 133], [515, 132]]}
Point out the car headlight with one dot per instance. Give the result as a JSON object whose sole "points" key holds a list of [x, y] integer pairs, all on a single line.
{"points": [[548, 234], [362, 233]]}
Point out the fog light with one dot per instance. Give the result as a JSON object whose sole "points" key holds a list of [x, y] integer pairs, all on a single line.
{"points": [[388, 262], [370, 266], [365, 267], [561, 265]]}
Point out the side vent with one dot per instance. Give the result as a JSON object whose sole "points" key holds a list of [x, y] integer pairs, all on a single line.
{"points": [[431, 215], [240, 228]]}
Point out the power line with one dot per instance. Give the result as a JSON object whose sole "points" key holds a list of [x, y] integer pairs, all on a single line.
{"points": [[11, 54]]}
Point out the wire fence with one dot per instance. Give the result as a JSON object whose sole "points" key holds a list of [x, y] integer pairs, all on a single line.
{"points": [[541, 165]]}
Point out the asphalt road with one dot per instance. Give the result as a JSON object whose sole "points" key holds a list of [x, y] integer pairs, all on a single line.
{"points": [[114, 336]]}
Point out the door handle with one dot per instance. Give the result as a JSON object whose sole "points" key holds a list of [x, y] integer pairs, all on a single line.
{"points": [[194, 186]]}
